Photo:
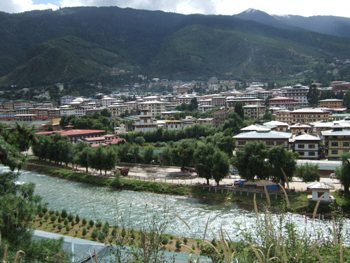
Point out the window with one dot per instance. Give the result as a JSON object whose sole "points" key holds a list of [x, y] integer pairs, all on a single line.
{"points": [[312, 146], [301, 146], [334, 152], [346, 144], [301, 153], [312, 154], [334, 144], [241, 142], [269, 143]]}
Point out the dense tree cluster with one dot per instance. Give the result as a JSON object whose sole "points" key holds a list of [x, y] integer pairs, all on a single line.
{"points": [[257, 161], [308, 172], [343, 173], [99, 121], [59, 150]]}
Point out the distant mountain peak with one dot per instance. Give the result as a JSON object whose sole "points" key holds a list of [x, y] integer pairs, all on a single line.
{"points": [[251, 10]]}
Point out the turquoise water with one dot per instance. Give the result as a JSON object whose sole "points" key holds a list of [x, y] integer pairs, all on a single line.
{"points": [[178, 215]]}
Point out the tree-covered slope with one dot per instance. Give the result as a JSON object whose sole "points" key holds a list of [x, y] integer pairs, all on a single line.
{"points": [[44, 47]]}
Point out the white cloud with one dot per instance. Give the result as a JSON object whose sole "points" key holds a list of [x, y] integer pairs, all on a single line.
{"points": [[16, 6]]}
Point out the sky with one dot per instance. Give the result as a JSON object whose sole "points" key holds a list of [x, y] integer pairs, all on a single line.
{"points": [[223, 7]]}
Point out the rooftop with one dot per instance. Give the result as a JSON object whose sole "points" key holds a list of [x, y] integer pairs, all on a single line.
{"points": [[264, 135], [306, 137]]}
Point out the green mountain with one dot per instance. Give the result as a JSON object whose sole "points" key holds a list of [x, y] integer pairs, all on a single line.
{"points": [[87, 43]]}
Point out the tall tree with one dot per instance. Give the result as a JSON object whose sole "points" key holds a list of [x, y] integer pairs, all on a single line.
{"points": [[251, 161], [203, 160], [233, 123], [313, 95], [282, 164], [343, 173], [220, 166], [239, 110]]}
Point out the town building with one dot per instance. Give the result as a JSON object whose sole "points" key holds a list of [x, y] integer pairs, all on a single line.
{"points": [[337, 142], [307, 146], [298, 129], [145, 122], [277, 125], [331, 103], [320, 191], [232, 101], [155, 108], [267, 137], [74, 135], [297, 93], [254, 112], [303, 116], [283, 102]]}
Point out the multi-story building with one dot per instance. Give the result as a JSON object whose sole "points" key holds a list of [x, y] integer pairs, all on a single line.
{"points": [[303, 116], [283, 102], [254, 112], [277, 125], [155, 108], [308, 115], [218, 101], [145, 122], [299, 129], [117, 109], [297, 93], [337, 142], [307, 146], [232, 101], [267, 137], [74, 135], [66, 100], [331, 103]]}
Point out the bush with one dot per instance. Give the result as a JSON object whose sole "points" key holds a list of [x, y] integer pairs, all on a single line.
{"points": [[98, 224], [53, 218], [185, 241], [64, 213], [101, 236], [94, 234], [178, 245], [65, 222], [91, 223], [77, 219], [165, 241], [83, 222], [84, 231], [70, 217]]}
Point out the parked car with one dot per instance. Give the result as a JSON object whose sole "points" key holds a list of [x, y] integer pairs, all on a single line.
{"points": [[239, 182]]}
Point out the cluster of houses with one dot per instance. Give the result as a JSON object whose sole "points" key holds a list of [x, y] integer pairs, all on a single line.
{"points": [[313, 141]]}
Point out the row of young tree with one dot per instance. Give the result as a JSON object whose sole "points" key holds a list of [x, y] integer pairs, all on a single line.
{"points": [[59, 150], [209, 160]]}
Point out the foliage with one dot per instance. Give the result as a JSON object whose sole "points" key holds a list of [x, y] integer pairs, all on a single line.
{"points": [[343, 173], [251, 161], [239, 110], [220, 167], [282, 164], [308, 172], [313, 95]]}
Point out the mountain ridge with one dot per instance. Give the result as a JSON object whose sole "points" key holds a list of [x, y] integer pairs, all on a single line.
{"points": [[155, 43]]}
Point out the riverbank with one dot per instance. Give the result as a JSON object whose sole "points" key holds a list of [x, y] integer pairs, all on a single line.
{"points": [[298, 201]]}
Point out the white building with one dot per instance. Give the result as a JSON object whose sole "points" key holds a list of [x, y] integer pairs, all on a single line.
{"points": [[145, 123], [307, 146], [298, 93]]}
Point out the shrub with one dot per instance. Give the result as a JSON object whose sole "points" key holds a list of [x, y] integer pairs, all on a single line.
{"points": [[101, 236], [65, 222], [91, 223], [94, 234], [53, 218], [64, 213], [70, 217], [84, 231], [98, 224], [185, 241], [57, 213], [178, 244], [165, 241], [77, 219], [83, 222]]}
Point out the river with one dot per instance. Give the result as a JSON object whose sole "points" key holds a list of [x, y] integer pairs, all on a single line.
{"points": [[181, 216]]}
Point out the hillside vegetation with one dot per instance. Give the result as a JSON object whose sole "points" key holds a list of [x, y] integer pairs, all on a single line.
{"points": [[87, 43]]}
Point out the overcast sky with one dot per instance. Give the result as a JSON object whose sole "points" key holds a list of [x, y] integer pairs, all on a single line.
{"points": [[225, 7]]}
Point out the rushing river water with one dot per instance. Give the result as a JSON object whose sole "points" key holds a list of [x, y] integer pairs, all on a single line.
{"points": [[184, 216]]}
